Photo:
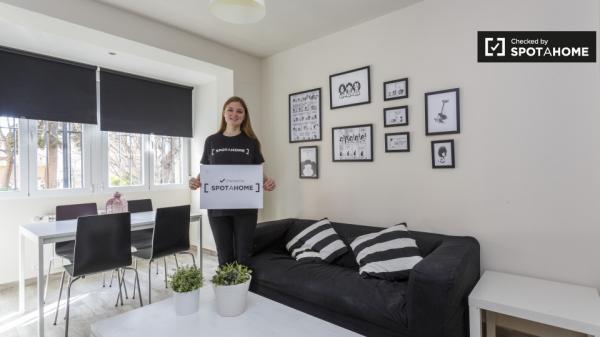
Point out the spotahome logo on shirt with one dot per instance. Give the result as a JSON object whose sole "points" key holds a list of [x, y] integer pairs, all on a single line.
{"points": [[536, 46], [245, 151]]}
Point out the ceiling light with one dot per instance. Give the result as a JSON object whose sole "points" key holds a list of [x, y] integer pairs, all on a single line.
{"points": [[238, 11]]}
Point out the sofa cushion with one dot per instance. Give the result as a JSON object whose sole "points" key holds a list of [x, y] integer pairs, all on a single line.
{"points": [[389, 254], [316, 242], [333, 287]]}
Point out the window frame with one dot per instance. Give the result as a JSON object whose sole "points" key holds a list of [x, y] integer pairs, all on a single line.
{"points": [[104, 184], [22, 181], [86, 180], [185, 166]]}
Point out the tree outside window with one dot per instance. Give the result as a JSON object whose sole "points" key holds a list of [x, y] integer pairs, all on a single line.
{"points": [[9, 153]]}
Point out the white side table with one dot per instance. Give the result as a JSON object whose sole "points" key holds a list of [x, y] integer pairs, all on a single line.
{"points": [[562, 305]]}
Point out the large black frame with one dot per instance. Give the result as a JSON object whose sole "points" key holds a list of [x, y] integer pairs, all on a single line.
{"points": [[394, 134], [451, 141], [347, 72], [427, 94], [351, 127], [316, 161], [290, 116], [385, 98], [385, 110]]}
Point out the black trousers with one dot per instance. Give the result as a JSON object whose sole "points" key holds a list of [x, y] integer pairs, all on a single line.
{"points": [[234, 236]]}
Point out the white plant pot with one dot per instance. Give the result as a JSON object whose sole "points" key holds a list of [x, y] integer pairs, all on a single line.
{"points": [[231, 300], [186, 303]]}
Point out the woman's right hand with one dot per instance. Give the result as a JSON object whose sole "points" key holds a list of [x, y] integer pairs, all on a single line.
{"points": [[194, 183]]}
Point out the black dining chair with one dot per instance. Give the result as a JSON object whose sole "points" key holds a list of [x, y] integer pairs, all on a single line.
{"points": [[102, 243], [65, 249], [171, 236]]}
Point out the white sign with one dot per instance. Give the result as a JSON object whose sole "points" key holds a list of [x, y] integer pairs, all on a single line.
{"points": [[231, 186]]}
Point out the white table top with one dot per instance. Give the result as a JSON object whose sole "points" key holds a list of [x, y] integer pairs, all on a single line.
{"points": [[558, 304], [50, 231], [263, 318]]}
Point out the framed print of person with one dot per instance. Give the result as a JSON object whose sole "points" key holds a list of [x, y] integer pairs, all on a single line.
{"points": [[395, 116], [350, 88], [305, 116], [395, 89], [442, 112], [442, 154], [309, 162], [352, 143], [397, 142]]}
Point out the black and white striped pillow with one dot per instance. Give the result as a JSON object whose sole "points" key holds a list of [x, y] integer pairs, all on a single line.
{"points": [[317, 242], [389, 254]]}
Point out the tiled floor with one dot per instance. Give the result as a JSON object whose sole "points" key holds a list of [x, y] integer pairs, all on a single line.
{"points": [[90, 302]]}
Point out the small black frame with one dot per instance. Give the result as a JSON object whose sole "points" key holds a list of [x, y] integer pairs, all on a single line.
{"points": [[456, 116], [385, 119], [331, 77], [316, 163], [390, 98], [290, 122], [387, 149], [433, 154]]}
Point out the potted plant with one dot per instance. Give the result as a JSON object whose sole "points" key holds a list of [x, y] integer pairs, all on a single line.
{"points": [[186, 283], [231, 282]]}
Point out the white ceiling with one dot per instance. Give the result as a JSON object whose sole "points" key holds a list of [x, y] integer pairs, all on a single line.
{"points": [[288, 23]]}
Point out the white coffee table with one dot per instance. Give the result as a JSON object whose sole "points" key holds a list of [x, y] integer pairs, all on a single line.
{"points": [[263, 318]]}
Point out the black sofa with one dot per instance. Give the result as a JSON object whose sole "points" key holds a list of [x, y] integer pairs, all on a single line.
{"points": [[431, 303]]}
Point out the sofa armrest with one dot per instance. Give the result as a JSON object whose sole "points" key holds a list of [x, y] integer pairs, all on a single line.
{"points": [[438, 289], [269, 233]]}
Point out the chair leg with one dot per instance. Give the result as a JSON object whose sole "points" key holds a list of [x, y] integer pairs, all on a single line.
{"points": [[124, 285], [120, 296], [103, 280], [157, 269], [150, 281], [47, 280], [112, 275], [176, 263], [62, 281], [165, 265], [68, 282], [136, 279], [68, 301]]}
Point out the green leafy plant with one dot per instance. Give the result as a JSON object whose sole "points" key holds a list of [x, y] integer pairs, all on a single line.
{"points": [[186, 279], [231, 274]]}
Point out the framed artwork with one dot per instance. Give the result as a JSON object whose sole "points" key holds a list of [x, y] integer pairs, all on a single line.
{"points": [[305, 116], [309, 162], [350, 88], [395, 116], [442, 154], [395, 89], [442, 112], [397, 142], [352, 143]]}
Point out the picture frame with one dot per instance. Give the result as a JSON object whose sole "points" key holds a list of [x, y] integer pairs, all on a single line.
{"points": [[308, 160], [350, 88], [395, 116], [305, 116], [395, 89], [352, 143], [397, 142], [443, 154], [442, 112]]}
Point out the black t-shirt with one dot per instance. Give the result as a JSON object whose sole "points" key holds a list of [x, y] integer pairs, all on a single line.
{"points": [[236, 150]]}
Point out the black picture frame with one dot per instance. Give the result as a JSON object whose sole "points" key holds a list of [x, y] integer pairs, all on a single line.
{"points": [[387, 147], [298, 136], [352, 156], [302, 163], [389, 95], [454, 115], [366, 98], [387, 123], [434, 162]]}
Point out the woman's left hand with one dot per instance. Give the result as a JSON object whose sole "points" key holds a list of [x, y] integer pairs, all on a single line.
{"points": [[268, 184]]}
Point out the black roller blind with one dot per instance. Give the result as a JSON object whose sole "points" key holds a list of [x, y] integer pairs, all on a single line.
{"points": [[134, 104], [35, 86]]}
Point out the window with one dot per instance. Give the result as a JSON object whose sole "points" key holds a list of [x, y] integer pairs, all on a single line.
{"points": [[59, 155], [167, 160], [9, 153], [125, 159]]}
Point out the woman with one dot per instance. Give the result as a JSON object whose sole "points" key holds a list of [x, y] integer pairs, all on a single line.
{"points": [[234, 143]]}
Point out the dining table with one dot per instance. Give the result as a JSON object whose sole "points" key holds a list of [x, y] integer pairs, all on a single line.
{"points": [[43, 233]]}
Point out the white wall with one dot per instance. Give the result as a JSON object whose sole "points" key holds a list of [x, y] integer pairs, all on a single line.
{"points": [[527, 173], [244, 81]]}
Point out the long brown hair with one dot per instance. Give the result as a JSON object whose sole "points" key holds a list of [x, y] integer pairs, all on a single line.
{"points": [[246, 126]]}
